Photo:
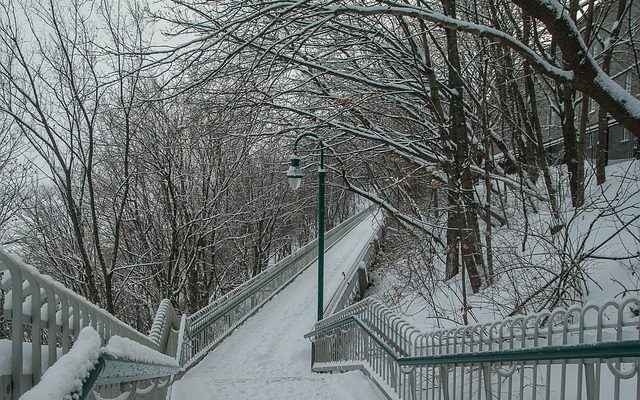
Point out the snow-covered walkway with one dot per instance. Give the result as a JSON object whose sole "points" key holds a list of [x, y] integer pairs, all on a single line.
{"points": [[268, 357]]}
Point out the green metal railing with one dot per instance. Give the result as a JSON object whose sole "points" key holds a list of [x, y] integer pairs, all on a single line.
{"points": [[591, 353], [113, 376], [35, 303], [209, 326]]}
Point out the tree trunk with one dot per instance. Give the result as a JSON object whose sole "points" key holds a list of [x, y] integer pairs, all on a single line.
{"points": [[573, 156], [461, 181], [602, 146]]}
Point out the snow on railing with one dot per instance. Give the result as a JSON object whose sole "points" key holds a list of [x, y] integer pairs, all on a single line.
{"points": [[356, 280], [574, 353], [40, 308], [165, 330], [88, 369], [66, 376], [206, 328]]}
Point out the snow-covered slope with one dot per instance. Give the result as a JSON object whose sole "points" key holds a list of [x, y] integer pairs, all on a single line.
{"points": [[268, 357], [599, 241]]}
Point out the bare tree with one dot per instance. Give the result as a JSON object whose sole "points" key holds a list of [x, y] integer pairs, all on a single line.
{"points": [[393, 88], [52, 93], [14, 173]]}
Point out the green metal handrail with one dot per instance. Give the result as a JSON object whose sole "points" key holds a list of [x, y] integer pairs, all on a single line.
{"points": [[90, 382], [123, 370], [206, 318], [604, 350], [526, 355]]}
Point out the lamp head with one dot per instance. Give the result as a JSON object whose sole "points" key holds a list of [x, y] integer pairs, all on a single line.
{"points": [[294, 173]]}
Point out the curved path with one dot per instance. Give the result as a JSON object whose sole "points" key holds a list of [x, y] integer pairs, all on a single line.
{"points": [[268, 357]]}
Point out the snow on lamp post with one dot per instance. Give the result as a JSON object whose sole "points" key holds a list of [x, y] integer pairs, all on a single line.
{"points": [[294, 173]]}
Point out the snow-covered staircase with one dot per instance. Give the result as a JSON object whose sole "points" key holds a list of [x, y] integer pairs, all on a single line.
{"points": [[268, 357], [109, 357]]}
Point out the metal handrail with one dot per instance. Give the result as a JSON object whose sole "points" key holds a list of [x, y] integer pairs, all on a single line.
{"points": [[626, 351], [91, 370], [110, 371], [532, 353], [350, 289], [394, 331], [206, 328], [35, 302]]}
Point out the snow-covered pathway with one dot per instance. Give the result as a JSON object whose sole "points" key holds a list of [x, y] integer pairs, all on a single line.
{"points": [[268, 357]]}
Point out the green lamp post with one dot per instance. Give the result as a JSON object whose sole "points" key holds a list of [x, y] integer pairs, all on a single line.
{"points": [[295, 178]]}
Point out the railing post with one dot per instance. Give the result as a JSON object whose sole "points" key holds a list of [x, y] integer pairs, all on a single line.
{"points": [[36, 326], [366, 348], [590, 380], [64, 318], [444, 382], [17, 327], [181, 341], [486, 375], [394, 376], [412, 383], [51, 327]]}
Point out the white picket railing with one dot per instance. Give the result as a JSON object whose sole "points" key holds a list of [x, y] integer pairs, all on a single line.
{"points": [[46, 319]]}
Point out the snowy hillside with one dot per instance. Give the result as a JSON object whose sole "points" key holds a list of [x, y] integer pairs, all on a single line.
{"points": [[593, 256]]}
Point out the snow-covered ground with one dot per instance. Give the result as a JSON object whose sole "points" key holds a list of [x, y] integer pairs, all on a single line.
{"points": [[605, 228], [268, 357]]}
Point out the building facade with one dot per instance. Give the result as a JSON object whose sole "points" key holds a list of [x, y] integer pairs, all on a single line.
{"points": [[625, 70]]}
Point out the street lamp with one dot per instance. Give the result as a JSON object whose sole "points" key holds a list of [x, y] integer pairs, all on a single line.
{"points": [[294, 173], [295, 178]]}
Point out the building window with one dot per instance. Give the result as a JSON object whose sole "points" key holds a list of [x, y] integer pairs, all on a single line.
{"points": [[625, 135], [592, 105]]}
